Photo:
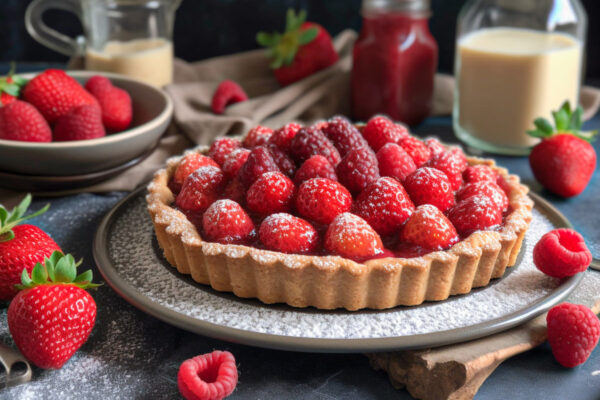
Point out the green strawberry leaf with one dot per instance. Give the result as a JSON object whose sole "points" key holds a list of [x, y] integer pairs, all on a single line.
{"points": [[84, 277], [12, 89], [25, 280], [308, 36], [64, 270], [267, 39], [537, 133], [39, 274], [561, 119], [3, 215], [544, 126], [576, 119]]}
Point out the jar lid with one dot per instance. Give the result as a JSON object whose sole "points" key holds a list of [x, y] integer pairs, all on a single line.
{"points": [[397, 5]]}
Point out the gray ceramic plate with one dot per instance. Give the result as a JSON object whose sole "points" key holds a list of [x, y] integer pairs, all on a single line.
{"points": [[130, 261]]}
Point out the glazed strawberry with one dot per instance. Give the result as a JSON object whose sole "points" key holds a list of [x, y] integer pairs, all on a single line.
{"points": [[288, 234], [434, 146], [310, 142], [358, 169], [479, 173], [21, 121], [394, 161], [380, 130], [52, 316], [225, 221], [429, 228], [283, 136], [385, 205], [81, 123], [430, 186], [321, 200], [259, 161], [488, 189], [416, 149], [235, 190], [54, 94], [228, 92], [115, 103], [21, 246], [315, 167], [573, 332], [474, 214], [351, 237], [285, 163], [303, 49], [211, 376], [190, 163], [561, 253], [257, 136], [272, 192], [450, 163], [222, 147], [343, 135], [234, 161], [200, 189]]}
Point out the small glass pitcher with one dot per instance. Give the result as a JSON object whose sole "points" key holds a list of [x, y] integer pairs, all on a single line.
{"points": [[129, 37]]}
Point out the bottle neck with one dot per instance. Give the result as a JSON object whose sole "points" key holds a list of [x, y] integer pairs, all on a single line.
{"points": [[412, 8]]}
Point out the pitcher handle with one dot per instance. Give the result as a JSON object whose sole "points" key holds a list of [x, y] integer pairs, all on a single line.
{"points": [[50, 37]]}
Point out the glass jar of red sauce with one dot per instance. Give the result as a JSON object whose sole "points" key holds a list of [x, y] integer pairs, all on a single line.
{"points": [[395, 59]]}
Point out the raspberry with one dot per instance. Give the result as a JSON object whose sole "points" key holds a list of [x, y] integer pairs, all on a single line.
{"points": [[416, 149], [430, 186], [451, 164], [257, 136], [487, 189], [200, 189], [211, 376], [270, 193], [234, 161], [321, 200], [225, 221], [343, 135], [385, 205], [358, 169], [221, 148], [228, 92], [434, 146], [474, 214], [315, 167], [259, 161], [285, 164], [561, 253], [283, 136], [394, 161], [189, 164], [479, 173], [288, 234], [573, 332], [350, 236], [429, 228], [311, 141], [380, 130], [235, 190]]}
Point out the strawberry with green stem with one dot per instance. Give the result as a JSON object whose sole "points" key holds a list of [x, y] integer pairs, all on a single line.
{"points": [[10, 86]]}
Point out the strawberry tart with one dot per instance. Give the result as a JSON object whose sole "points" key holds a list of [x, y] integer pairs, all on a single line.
{"points": [[337, 215]]}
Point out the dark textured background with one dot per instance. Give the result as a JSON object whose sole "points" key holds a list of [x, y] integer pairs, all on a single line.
{"points": [[209, 28]]}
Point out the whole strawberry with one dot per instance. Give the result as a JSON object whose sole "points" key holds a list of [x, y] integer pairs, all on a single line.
{"points": [[52, 316], [564, 161], [303, 49], [21, 246], [20, 120], [81, 123], [115, 103]]}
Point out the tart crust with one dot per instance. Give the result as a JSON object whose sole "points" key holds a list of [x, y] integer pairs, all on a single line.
{"points": [[329, 282]]}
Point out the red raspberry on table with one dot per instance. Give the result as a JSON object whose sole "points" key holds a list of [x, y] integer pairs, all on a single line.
{"points": [[434, 146], [259, 161], [561, 253], [380, 130], [288, 234], [315, 167], [211, 376], [573, 332], [352, 237], [416, 149], [200, 189], [81, 123], [189, 163], [474, 214], [309, 142], [272, 192], [115, 103], [488, 189], [283, 136], [283, 161], [321, 200], [429, 228], [228, 92], [451, 164], [257, 136], [343, 135], [430, 186], [20, 120], [222, 147], [225, 221], [234, 161], [385, 205], [479, 173], [235, 190], [358, 169], [394, 161]]}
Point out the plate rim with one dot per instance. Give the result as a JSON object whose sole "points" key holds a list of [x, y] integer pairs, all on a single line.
{"points": [[321, 345]]}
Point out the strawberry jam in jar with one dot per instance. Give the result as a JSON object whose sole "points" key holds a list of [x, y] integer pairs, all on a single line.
{"points": [[395, 59]]}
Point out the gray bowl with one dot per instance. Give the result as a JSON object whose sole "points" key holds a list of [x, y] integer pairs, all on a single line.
{"points": [[152, 112]]}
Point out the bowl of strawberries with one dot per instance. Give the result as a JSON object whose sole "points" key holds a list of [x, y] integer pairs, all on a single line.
{"points": [[66, 123]]}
